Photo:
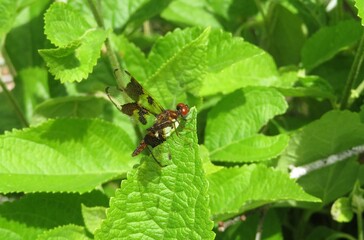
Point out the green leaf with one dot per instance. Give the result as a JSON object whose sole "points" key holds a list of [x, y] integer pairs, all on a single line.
{"points": [[121, 14], [93, 217], [64, 25], [341, 210], [327, 136], [63, 155], [328, 41], [286, 35], [359, 4], [233, 63], [75, 61], [163, 202], [235, 190], [323, 183], [8, 10], [33, 214], [65, 232], [332, 134], [70, 106], [176, 64], [190, 13], [245, 112], [308, 86]]}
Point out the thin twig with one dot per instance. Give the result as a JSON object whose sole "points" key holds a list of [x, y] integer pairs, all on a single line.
{"points": [[353, 74], [297, 172], [263, 213], [15, 104]]}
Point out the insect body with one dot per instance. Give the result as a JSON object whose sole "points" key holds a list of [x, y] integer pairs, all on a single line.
{"points": [[141, 105]]}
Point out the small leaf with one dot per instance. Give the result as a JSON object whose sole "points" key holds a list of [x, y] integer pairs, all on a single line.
{"points": [[245, 112], [359, 4], [328, 41], [93, 217], [163, 202], [63, 155], [63, 24], [309, 86], [235, 190], [65, 232], [190, 13], [341, 210], [233, 63], [75, 61]]}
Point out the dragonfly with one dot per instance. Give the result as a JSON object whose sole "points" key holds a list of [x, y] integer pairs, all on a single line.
{"points": [[141, 105]]}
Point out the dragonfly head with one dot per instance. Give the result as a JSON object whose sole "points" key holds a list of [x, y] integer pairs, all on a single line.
{"points": [[182, 109]]}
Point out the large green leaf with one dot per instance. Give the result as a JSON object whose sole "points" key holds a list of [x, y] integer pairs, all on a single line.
{"points": [[70, 232], [176, 65], [233, 124], [328, 41], [286, 35], [32, 214], [163, 202], [233, 63], [335, 132], [72, 155], [235, 190]]}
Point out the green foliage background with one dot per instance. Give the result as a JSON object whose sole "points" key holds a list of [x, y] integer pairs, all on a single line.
{"points": [[272, 85]]}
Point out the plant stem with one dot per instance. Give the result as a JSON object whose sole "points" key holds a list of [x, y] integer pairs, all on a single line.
{"points": [[359, 220], [263, 214], [13, 102], [120, 75], [353, 74]]}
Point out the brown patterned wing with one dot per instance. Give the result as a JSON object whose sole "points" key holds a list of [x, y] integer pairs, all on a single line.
{"points": [[140, 103]]}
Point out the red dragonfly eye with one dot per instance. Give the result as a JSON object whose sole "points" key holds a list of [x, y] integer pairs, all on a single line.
{"points": [[182, 109]]}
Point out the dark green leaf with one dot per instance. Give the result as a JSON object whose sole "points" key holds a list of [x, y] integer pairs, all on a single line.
{"points": [[328, 41]]}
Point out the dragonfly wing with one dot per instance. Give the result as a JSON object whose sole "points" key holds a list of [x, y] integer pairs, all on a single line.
{"points": [[136, 92]]}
